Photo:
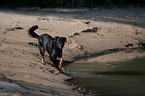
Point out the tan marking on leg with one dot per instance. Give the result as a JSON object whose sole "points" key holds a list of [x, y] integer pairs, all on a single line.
{"points": [[60, 63], [60, 66], [51, 62], [43, 62]]}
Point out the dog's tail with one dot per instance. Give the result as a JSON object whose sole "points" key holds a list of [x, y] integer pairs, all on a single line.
{"points": [[32, 33]]}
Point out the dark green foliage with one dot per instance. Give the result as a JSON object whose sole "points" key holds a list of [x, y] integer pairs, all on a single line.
{"points": [[76, 33], [70, 3], [18, 28], [94, 30]]}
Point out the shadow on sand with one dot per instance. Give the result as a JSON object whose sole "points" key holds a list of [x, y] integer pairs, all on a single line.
{"points": [[130, 16], [86, 57]]}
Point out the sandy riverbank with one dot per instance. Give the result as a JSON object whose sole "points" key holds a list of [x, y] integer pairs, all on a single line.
{"points": [[89, 33]]}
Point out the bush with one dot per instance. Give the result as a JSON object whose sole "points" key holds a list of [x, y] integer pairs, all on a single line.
{"points": [[69, 3]]}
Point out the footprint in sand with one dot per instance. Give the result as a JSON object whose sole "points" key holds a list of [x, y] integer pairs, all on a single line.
{"points": [[47, 70], [4, 32], [2, 46]]}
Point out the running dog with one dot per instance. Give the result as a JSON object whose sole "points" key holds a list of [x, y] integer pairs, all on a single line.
{"points": [[54, 46]]}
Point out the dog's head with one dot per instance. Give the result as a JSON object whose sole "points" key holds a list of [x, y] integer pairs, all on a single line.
{"points": [[60, 41]]}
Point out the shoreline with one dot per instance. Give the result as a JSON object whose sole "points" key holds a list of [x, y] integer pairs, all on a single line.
{"points": [[89, 33]]}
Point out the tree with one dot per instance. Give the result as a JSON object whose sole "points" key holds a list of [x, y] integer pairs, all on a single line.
{"points": [[109, 3]]}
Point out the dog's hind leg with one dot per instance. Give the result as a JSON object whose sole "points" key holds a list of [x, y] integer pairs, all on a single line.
{"points": [[42, 52], [43, 62], [51, 58]]}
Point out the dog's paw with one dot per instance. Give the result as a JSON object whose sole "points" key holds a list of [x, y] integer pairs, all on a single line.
{"points": [[43, 63]]}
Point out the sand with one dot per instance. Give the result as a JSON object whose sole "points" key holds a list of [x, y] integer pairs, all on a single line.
{"points": [[91, 35]]}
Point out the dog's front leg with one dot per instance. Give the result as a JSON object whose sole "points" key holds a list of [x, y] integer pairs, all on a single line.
{"points": [[60, 65]]}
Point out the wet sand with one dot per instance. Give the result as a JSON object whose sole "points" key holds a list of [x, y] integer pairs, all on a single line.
{"points": [[89, 34]]}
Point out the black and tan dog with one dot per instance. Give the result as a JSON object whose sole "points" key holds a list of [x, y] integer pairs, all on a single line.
{"points": [[54, 46]]}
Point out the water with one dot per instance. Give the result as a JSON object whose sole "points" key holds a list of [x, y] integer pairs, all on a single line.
{"points": [[116, 78]]}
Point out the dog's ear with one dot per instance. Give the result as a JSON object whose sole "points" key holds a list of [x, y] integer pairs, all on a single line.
{"points": [[56, 37], [64, 39]]}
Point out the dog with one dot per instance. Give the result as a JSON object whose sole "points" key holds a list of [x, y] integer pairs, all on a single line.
{"points": [[54, 46]]}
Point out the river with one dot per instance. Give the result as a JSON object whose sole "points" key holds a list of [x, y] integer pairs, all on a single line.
{"points": [[113, 78]]}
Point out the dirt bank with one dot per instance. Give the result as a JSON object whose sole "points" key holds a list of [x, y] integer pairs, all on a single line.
{"points": [[88, 33]]}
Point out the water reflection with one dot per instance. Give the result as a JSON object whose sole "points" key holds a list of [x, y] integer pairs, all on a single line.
{"points": [[118, 78]]}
